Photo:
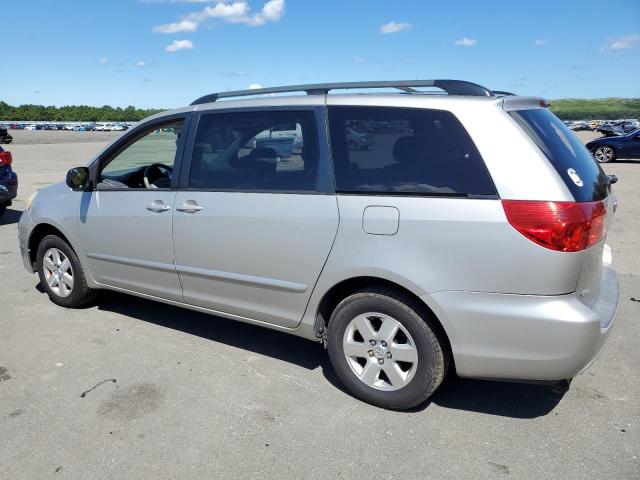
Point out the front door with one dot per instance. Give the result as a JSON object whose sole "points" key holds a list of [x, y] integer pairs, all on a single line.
{"points": [[254, 220], [125, 222]]}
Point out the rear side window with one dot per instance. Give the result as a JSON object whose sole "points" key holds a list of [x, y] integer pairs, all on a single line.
{"points": [[256, 151], [405, 151], [580, 172]]}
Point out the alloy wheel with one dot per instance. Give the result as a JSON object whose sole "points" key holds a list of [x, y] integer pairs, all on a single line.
{"points": [[604, 154], [380, 351], [58, 272]]}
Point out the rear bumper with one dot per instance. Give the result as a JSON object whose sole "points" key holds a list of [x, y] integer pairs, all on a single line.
{"points": [[526, 337]]}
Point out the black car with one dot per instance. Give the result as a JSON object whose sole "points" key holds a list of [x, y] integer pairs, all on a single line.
{"points": [[607, 149], [8, 181], [4, 136]]}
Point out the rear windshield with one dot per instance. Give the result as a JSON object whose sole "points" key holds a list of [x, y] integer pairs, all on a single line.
{"points": [[580, 172]]}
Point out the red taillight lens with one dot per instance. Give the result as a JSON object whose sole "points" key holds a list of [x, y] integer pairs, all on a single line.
{"points": [[5, 158], [562, 226]]}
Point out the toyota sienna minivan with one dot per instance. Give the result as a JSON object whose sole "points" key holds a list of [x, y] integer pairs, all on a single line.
{"points": [[469, 236]]}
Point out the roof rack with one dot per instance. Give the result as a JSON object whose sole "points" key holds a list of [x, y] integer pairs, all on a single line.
{"points": [[452, 87]]}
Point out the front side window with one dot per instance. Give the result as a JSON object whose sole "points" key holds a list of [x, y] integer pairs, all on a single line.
{"points": [[405, 151], [262, 151], [147, 162]]}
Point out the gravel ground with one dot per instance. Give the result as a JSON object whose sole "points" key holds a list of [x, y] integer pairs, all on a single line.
{"points": [[202, 397]]}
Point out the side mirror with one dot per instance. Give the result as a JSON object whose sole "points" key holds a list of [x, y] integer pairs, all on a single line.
{"points": [[78, 178]]}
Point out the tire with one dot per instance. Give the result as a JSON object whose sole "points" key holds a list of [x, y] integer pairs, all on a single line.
{"points": [[405, 383], [604, 154], [3, 209], [54, 273]]}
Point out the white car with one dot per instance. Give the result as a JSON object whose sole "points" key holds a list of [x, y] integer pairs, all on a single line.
{"points": [[30, 127]]}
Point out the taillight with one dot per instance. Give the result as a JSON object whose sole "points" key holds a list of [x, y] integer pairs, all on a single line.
{"points": [[561, 226], [5, 158]]}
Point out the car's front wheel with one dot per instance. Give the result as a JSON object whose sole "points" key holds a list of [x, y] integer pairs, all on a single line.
{"points": [[61, 274], [386, 349], [604, 154]]}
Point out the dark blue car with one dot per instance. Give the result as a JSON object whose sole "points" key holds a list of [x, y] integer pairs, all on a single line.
{"points": [[8, 181], [607, 149]]}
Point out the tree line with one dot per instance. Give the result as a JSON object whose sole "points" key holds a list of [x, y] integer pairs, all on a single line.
{"points": [[73, 113], [600, 108], [566, 109]]}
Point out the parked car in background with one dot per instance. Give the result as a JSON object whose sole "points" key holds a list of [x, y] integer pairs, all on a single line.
{"points": [[5, 136], [31, 126], [8, 181], [608, 149], [431, 250], [610, 129], [629, 125]]}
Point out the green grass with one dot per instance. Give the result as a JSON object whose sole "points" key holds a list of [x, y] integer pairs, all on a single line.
{"points": [[600, 108]]}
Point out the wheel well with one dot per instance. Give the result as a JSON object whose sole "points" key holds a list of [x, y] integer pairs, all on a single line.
{"points": [[347, 287], [38, 233]]}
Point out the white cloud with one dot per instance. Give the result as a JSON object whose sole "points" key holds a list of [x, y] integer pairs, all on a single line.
{"points": [[394, 27], [541, 42], [466, 42], [141, 64], [625, 42], [103, 61], [273, 10], [237, 11], [178, 45], [254, 86], [181, 26]]}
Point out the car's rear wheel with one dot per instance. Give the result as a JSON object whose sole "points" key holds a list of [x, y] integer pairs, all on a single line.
{"points": [[604, 154], [386, 349], [61, 274]]}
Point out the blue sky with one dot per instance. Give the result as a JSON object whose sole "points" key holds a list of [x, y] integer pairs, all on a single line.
{"points": [[165, 53]]}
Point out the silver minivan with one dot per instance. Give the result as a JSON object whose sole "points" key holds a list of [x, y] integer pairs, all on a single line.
{"points": [[469, 236]]}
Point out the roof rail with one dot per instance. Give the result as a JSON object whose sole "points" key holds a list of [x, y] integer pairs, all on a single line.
{"points": [[452, 87]]}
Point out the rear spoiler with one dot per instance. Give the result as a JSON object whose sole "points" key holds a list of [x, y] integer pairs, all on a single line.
{"points": [[522, 103]]}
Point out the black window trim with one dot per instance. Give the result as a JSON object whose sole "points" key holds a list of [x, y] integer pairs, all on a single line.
{"points": [[326, 185], [473, 196], [134, 135]]}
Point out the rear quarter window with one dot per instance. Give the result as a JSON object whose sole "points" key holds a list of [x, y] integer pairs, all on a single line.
{"points": [[405, 151], [579, 171]]}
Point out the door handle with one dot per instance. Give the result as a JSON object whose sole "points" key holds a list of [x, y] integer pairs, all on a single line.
{"points": [[158, 207], [189, 207]]}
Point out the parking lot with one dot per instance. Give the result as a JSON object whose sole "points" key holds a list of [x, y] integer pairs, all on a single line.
{"points": [[184, 395]]}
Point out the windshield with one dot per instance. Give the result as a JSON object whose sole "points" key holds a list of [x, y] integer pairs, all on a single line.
{"points": [[634, 132]]}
